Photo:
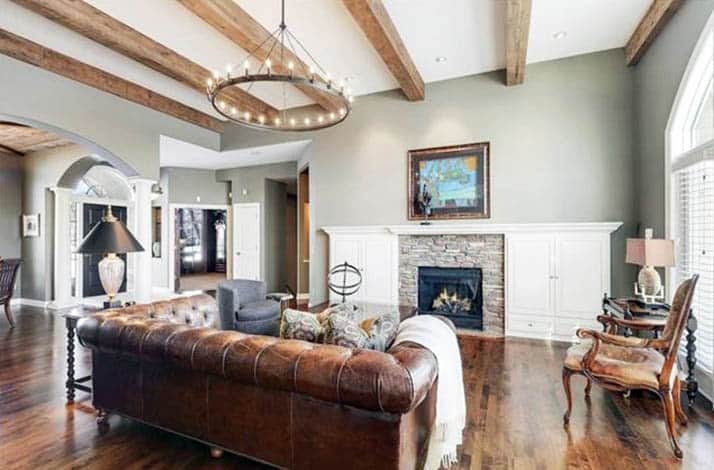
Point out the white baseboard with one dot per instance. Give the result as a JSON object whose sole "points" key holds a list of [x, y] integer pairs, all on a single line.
{"points": [[30, 303]]}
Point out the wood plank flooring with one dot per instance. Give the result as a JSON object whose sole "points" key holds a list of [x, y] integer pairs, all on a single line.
{"points": [[514, 396]]}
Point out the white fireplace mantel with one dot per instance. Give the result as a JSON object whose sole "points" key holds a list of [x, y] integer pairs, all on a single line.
{"points": [[474, 228]]}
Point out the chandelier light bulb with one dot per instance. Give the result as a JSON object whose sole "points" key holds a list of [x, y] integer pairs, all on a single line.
{"points": [[209, 82], [268, 64], [291, 66], [332, 116], [342, 111], [277, 121], [307, 121], [234, 111], [292, 122], [222, 105], [216, 74], [247, 116], [261, 119], [229, 68], [246, 67], [320, 119], [351, 99]]}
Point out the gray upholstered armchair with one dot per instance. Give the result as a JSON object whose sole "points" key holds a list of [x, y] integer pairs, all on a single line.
{"points": [[243, 306]]}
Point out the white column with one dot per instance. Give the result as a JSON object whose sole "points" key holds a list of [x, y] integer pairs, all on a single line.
{"points": [[63, 250], [142, 232]]}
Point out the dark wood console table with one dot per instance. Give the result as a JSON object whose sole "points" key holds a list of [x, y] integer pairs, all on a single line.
{"points": [[655, 315]]}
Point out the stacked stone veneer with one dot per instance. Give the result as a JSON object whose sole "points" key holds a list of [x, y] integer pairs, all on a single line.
{"points": [[456, 251]]}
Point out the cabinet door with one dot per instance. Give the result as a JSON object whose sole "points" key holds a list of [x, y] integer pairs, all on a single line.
{"points": [[582, 270], [529, 287], [346, 249], [377, 283]]}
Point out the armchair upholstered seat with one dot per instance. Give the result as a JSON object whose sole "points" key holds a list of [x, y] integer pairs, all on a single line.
{"points": [[243, 307], [622, 364]]}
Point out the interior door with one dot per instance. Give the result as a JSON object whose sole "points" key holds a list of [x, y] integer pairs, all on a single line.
{"points": [[91, 285], [246, 241]]}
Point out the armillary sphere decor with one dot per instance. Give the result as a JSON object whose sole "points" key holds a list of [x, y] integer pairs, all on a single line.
{"points": [[278, 60], [344, 280]]}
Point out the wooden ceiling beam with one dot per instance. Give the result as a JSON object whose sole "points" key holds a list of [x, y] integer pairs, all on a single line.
{"points": [[376, 24], [229, 19], [518, 21], [35, 54], [649, 27], [96, 25]]}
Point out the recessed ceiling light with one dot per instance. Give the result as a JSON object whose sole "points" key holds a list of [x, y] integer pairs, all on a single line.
{"points": [[560, 34], [440, 59]]}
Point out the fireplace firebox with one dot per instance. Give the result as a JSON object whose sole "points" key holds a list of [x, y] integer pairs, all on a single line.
{"points": [[455, 293]]}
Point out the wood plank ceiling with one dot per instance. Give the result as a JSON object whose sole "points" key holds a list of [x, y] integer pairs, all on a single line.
{"points": [[232, 21], [18, 139]]}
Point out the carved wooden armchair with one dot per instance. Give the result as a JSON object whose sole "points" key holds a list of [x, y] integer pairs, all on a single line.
{"points": [[8, 275], [625, 363]]}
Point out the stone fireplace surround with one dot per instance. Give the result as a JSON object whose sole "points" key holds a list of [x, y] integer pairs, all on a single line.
{"points": [[485, 251]]}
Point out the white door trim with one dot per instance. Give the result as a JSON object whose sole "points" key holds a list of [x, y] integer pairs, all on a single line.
{"points": [[259, 208], [172, 233]]}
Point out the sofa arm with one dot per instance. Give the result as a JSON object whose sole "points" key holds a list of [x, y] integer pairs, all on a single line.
{"points": [[394, 382]]}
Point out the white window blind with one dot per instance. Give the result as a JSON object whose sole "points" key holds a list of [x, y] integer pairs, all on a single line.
{"points": [[694, 198]]}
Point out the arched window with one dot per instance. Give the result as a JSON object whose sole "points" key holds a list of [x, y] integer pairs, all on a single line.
{"points": [[690, 150], [104, 182]]}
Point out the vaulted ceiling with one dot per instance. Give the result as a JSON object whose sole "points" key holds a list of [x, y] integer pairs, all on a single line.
{"points": [[159, 53]]}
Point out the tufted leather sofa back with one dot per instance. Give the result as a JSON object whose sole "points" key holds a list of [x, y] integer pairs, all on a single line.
{"points": [[195, 311]]}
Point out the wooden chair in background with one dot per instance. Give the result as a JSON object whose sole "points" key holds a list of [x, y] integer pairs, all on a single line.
{"points": [[622, 364], [8, 276]]}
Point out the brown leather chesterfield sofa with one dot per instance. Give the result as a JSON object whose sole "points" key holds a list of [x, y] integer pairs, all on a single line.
{"points": [[288, 403]]}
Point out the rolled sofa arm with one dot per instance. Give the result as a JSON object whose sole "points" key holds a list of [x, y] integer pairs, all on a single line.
{"points": [[394, 382]]}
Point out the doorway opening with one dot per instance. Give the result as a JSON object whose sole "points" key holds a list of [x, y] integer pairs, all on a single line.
{"points": [[200, 259], [303, 201]]}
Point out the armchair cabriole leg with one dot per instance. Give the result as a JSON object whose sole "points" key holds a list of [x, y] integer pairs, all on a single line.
{"points": [[8, 314], [588, 388], [677, 395], [568, 395], [670, 420]]}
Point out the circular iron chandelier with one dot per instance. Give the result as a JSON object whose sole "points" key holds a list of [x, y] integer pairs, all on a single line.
{"points": [[272, 68]]}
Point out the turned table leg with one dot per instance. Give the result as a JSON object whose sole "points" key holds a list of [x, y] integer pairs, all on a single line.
{"points": [[70, 360], [692, 385]]}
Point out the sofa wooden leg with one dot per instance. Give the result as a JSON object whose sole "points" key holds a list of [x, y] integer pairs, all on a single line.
{"points": [[102, 422], [568, 395], [216, 453]]}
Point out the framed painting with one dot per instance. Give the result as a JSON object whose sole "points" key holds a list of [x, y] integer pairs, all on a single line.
{"points": [[449, 182], [31, 225]]}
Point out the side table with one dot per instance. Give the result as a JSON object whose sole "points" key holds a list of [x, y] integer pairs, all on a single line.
{"points": [[71, 318], [655, 315]]}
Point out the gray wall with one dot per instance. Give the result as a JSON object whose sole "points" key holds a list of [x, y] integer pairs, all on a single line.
{"points": [[185, 185], [41, 171], [275, 237], [257, 181], [10, 210], [118, 127], [561, 151], [657, 78]]}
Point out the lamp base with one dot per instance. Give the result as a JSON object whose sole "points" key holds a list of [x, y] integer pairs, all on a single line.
{"points": [[111, 275], [649, 285]]}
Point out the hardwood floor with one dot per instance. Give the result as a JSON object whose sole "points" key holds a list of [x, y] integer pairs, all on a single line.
{"points": [[514, 396]]}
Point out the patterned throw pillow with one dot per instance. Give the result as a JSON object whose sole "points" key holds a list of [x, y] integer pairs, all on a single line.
{"points": [[376, 333], [305, 326], [343, 331]]}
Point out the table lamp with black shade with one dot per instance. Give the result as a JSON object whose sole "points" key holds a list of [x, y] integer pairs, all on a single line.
{"points": [[110, 237]]}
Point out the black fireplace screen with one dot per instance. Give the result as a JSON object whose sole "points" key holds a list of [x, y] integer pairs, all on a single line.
{"points": [[455, 293]]}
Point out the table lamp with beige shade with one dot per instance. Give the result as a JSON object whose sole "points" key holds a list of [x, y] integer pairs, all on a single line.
{"points": [[650, 253]]}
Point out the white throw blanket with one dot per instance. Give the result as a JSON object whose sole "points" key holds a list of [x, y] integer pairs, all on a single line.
{"points": [[450, 420]]}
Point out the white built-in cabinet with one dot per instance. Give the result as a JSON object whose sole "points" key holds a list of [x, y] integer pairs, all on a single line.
{"points": [[555, 282], [374, 255], [555, 274]]}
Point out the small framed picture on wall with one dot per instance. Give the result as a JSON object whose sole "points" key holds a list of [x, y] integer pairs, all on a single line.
{"points": [[31, 225]]}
